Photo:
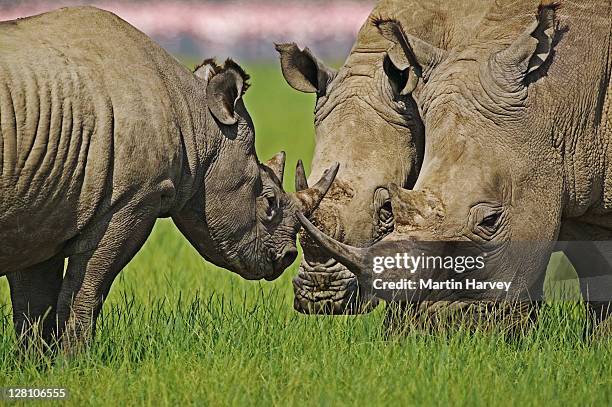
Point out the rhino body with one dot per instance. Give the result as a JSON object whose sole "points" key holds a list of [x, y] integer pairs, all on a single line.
{"points": [[367, 119], [517, 147], [103, 132]]}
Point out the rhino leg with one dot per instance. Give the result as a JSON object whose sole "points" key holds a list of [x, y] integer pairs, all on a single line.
{"points": [[90, 273], [34, 293], [593, 264]]}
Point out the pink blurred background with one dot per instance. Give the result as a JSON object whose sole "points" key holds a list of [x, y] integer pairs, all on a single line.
{"points": [[243, 29]]}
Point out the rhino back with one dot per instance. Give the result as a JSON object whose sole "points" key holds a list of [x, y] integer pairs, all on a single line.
{"points": [[87, 122]]}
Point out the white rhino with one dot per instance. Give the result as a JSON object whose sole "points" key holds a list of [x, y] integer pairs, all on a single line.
{"points": [[517, 143]]}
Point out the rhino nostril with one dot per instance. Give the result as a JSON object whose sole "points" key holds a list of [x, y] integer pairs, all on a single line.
{"points": [[286, 258], [272, 253]]}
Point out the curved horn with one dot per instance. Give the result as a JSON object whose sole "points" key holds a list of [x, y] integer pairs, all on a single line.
{"points": [[301, 183], [310, 198], [352, 257], [277, 165]]}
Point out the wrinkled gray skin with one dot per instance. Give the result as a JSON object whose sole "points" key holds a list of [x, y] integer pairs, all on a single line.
{"points": [[518, 128], [366, 119], [103, 132]]}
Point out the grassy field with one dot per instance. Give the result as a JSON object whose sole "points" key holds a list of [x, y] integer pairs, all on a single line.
{"points": [[178, 330]]}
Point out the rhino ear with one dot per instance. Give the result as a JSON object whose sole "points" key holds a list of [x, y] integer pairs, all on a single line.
{"points": [[302, 70], [224, 90], [529, 51], [409, 54], [207, 69]]}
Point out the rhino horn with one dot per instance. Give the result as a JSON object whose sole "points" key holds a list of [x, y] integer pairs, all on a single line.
{"points": [[301, 183], [310, 198], [352, 257], [277, 165]]}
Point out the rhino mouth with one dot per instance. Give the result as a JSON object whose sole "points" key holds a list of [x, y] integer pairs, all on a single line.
{"points": [[327, 288]]}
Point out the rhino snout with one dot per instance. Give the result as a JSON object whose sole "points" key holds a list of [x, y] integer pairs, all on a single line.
{"points": [[327, 288], [282, 261]]}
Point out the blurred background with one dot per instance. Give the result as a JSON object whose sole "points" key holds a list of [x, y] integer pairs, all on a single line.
{"points": [[245, 29]]}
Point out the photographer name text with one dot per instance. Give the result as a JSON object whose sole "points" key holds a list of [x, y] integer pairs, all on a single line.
{"points": [[431, 284]]}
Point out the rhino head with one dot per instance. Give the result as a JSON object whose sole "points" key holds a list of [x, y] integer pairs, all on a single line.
{"points": [[363, 112], [492, 175], [239, 217]]}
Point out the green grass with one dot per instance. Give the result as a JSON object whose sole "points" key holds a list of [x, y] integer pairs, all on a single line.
{"points": [[178, 330]]}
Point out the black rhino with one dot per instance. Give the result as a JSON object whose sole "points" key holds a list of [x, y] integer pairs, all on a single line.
{"points": [[103, 132]]}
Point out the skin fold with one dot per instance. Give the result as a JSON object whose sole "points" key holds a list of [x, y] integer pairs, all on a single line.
{"points": [[517, 138], [103, 132]]}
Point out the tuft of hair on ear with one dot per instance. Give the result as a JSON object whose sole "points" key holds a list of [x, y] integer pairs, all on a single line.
{"points": [[376, 19], [551, 4], [385, 25], [231, 64], [391, 29], [547, 9], [209, 61]]}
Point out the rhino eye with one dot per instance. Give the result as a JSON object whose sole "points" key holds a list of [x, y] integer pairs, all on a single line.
{"points": [[386, 212], [490, 221], [397, 78], [272, 201], [384, 221]]}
